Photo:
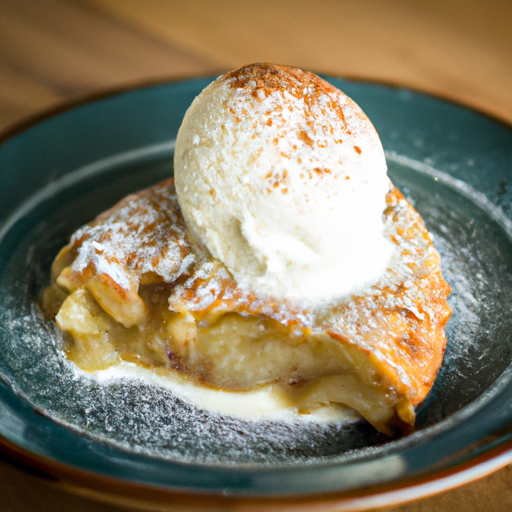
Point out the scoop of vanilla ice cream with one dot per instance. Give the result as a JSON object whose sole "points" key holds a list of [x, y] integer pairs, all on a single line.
{"points": [[283, 178]]}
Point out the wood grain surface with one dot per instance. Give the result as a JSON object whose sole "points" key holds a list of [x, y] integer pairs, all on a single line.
{"points": [[53, 51]]}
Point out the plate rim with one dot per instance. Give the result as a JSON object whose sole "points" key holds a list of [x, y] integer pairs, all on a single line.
{"points": [[118, 491], [390, 493]]}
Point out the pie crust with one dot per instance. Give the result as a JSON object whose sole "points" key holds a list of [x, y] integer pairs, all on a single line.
{"points": [[132, 286]]}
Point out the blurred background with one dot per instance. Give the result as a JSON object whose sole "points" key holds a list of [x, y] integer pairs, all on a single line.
{"points": [[58, 51], [55, 50]]}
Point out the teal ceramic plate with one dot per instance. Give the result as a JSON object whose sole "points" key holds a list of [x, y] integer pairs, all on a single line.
{"points": [[132, 441]]}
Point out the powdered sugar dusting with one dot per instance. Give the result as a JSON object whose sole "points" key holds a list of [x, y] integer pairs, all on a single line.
{"points": [[142, 235]]}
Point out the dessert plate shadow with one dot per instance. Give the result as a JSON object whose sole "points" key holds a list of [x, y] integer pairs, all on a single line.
{"points": [[132, 442]]}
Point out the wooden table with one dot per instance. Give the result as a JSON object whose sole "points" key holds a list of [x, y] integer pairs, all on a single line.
{"points": [[53, 51]]}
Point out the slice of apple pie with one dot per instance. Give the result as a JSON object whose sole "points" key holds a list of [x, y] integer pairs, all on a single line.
{"points": [[132, 286]]}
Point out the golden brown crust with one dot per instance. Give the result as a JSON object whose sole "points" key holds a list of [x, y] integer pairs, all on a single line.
{"points": [[407, 339]]}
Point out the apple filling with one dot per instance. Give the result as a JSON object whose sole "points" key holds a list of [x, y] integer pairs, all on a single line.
{"points": [[232, 352]]}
